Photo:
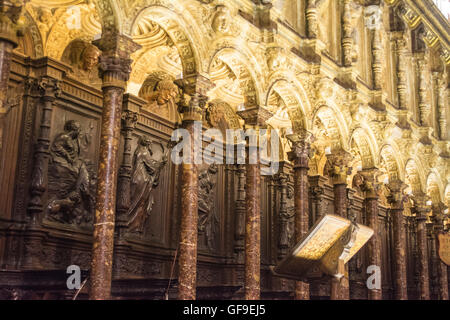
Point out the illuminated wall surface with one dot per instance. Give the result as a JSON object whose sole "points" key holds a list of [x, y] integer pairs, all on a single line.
{"points": [[354, 98]]}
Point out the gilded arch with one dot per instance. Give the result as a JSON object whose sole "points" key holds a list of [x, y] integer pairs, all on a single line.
{"points": [[175, 27], [229, 62], [391, 162], [366, 147]]}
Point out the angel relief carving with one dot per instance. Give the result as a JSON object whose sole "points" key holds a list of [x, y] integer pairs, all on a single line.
{"points": [[207, 221], [71, 178], [83, 57], [162, 95], [148, 161]]}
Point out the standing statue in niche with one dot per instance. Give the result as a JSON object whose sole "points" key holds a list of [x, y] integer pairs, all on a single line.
{"points": [[207, 218], [290, 217], [147, 166], [161, 94], [71, 178]]}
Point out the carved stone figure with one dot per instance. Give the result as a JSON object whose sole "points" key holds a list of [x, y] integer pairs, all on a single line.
{"points": [[290, 217], [147, 166], [207, 218], [71, 178], [221, 21], [221, 115], [358, 182], [45, 20], [84, 58], [276, 59], [162, 94]]}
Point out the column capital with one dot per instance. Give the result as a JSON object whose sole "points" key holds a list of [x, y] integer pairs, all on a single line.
{"points": [[370, 185], [10, 22], [114, 62], [396, 196], [49, 88], [439, 215], [255, 116], [301, 148], [365, 183], [129, 120], [421, 206], [194, 90], [337, 166]]}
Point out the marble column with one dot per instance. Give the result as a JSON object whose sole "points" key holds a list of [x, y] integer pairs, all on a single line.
{"points": [[337, 169], [374, 244], [255, 119], [438, 228], [396, 200], [239, 234], [421, 209], [299, 156], [115, 68], [10, 12], [193, 101]]}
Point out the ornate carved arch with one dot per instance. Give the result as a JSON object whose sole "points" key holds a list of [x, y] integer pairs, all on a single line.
{"points": [[391, 162], [238, 66], [175, 27], [294, 100]]}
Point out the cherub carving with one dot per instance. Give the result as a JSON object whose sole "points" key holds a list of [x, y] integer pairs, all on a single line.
{"points": [[84, 58], [162, 95]]}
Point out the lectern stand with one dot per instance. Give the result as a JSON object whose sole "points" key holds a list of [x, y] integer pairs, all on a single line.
{"points": [[327, 247]]}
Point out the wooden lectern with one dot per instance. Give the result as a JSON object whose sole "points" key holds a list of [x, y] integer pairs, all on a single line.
{"points": [[327, 247]]}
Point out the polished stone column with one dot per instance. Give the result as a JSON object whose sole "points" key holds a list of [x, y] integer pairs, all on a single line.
{"points": [[10, 12], [255, 118], [115, 68], [337, 169], [239, 234], [421, 209], [299, 156], [374, 244], [396, 200], [442, 272], [253, 232], [193, 101]]}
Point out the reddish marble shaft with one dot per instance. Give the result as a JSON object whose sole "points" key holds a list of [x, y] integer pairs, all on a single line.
{"points": [[301, 219], [340, 209], [374, 244], [424, 277], [102, 252], [187, 263], [399, 231], [442, 275], [253, 233]]}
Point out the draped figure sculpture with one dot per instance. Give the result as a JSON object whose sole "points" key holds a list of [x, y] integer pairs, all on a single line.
{"points": [[144, 178]]}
